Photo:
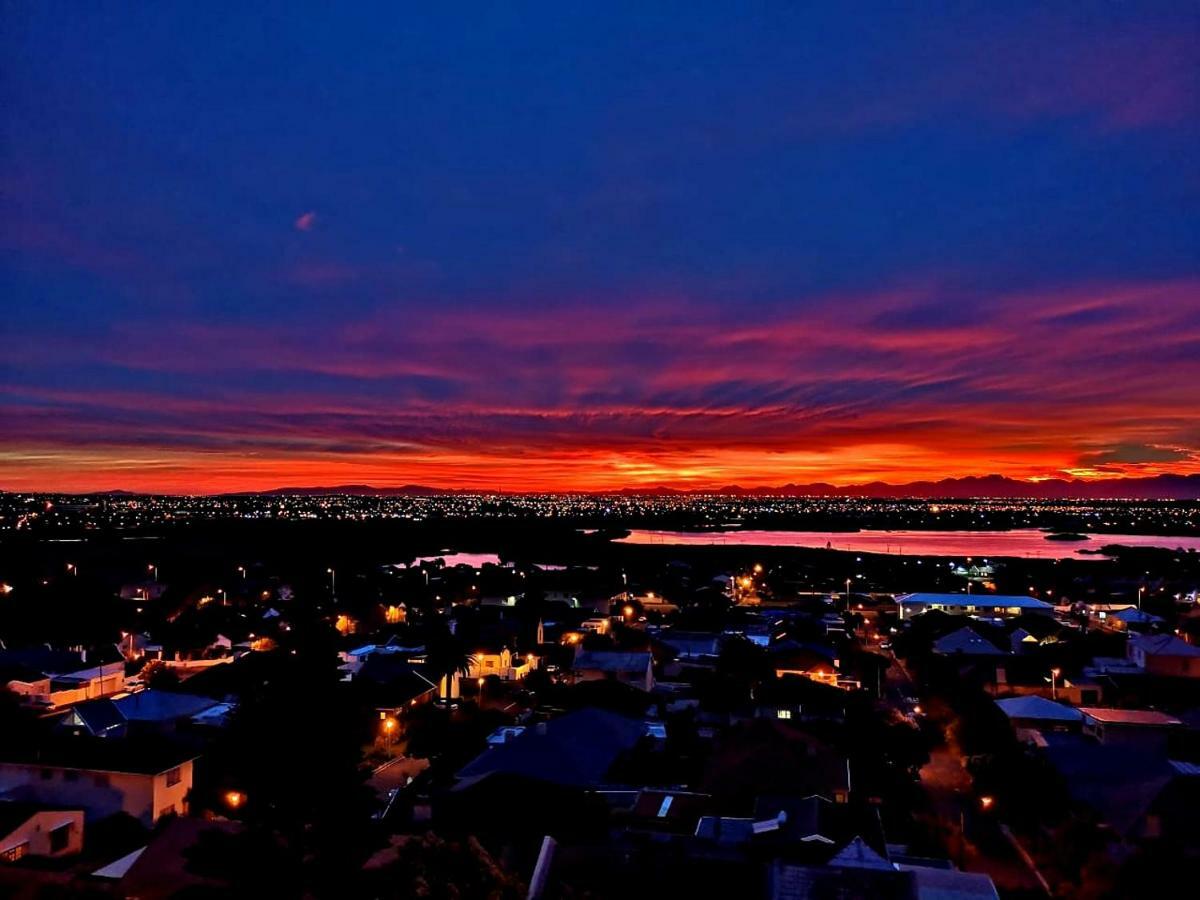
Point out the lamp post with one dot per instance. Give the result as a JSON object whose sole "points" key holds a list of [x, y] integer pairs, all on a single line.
{"points": [[224, 596], [848, 595], [332, 581], [153, 568], [1054, 673], [242, 571], [72, 568], [1141, 590]]}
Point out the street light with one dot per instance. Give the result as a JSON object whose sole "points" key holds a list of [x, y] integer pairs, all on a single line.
{"points": [[242, 569], [1141, 590], [847, 595], [986, 802], [72, 568], [153, 568], [332, 581], [224, 596], [1054, 673]]}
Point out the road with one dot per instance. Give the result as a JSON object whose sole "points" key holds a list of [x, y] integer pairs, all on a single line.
{"points": [[948, 786]]}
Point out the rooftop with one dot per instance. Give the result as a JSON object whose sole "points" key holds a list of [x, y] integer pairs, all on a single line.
{"points": [[1164, 645], [1019, 601], [1148, 717], [1035, 707], [578, 748], [143, 756]]}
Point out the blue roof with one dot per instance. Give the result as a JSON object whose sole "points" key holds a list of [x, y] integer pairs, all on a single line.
{"points": [[161, 706], [966, 642], [987, 600], [1035, 707], [575, 749], [613, 660]]}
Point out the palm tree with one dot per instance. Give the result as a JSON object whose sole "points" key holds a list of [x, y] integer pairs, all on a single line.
{"points": [[447, 658]]}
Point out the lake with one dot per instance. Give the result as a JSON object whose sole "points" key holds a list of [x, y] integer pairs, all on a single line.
{"points": [[1027, 542]]}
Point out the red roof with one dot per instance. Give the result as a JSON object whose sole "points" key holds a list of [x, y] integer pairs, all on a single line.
{"points": [[1128, 716]]}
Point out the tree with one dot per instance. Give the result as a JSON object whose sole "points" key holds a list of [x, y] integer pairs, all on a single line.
{"points": [[446, 655], [428, 866]]}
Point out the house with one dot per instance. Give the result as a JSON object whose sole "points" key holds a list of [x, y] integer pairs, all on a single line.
{"points": [[799, 699], [24, 681], [965, 642], [635, 669], [577, 749], [1121, 784], [392, 683], [502, 663], [147, 780], [142, 590], [805, 663], [769, 756], [33, 829], [1037, 712], [786, 821], [693, 646], [1164, 654], [858, 870], [66, 676], [1146, 728], [163, 711], [1132, 619], [649, 601], [993, 606]]}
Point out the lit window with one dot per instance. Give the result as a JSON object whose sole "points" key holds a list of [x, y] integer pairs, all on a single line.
{"points": [[12, 854], [783, 714], [174, 776]]}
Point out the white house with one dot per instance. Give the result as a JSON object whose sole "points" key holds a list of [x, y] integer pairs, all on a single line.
{"points": [[31, 829], [101, 781]]}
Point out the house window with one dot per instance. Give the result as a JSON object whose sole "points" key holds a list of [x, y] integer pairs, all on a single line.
{"points": [[783, 714], [60, 837], [12, 854], [174, 776]]}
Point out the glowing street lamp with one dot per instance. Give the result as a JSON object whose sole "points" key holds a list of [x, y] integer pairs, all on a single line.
{"points": [[72, 568], [234, 799], [332, 580], [986, 802], [1054, 673], [151, 567], [242, 570]]}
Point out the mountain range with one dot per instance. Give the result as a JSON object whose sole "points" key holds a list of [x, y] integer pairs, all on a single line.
{"points": [[1157, 487]]}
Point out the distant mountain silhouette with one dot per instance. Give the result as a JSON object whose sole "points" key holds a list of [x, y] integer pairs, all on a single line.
{"points": [[1157, 487]]}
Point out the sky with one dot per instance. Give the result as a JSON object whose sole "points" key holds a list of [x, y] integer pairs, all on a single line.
{"points": [[589, 246]]}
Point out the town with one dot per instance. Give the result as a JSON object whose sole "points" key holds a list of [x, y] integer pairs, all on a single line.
{"points": [[474, 697]]}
